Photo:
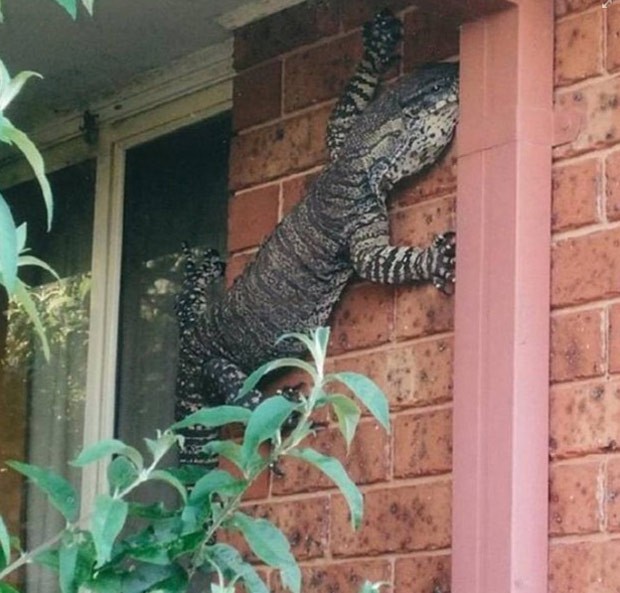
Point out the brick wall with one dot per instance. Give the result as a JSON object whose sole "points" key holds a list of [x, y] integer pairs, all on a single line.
{"points": [[291, 67], [584, 519]]}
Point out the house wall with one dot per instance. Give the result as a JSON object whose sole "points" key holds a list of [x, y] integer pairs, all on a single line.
{"points": [[585, 299], [291, 67]]}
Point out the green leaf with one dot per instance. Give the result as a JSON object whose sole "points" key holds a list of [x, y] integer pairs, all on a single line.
{"points": [[67, 564], [252, 381], [5, 542], [31, 260], [151, 554], [334, 470], [11, 135], [89, 5], [154, 511], [8, 247], [122, 473], [348, 415], [60, 492], [23, 298], [215, 417], [106, 523], [229, 559], [105, 448], [22, 232], [266, 420], [152, 577], [6, 588], [105, 581], [216, 480], [70, 6], [227, 449], [316, 343], [368, 393], [161, 445], [165, 476], [13, 85], [270, 545]]}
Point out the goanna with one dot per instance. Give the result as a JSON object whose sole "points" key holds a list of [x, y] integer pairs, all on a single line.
{"points": [[338, 230]]}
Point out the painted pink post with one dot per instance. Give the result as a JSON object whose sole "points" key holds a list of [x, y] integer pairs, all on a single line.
{"points": [[502, 302]]}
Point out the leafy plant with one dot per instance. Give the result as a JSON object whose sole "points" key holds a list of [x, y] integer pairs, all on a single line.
{"points": [[13, 250], [166, 548]]}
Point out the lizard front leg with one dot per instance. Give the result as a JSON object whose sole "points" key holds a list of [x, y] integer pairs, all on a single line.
{"points": [[374, 259]]}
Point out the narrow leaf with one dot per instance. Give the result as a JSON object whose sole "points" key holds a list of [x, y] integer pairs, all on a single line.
{"points": [[31, 260], [265, 421], [160, 446], [334, 470], [105, 448], [60, 492], [164, 476], [6, 588], [227, 449], [229, 559], [215, 417], [8, 247], [67, 563], [70, 6], [11, 90], [348, 415], [252, 381], [106, 523], [22, 297], [216, 480], [22, 232], [270, 545], [5, 541], [88, 4], [9, 133], [368, 393]]}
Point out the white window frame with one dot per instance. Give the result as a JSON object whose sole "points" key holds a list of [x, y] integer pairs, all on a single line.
{"points": [[190, 90]]}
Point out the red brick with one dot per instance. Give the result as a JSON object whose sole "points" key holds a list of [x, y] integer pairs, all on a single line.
{"points": [[294, 189], [577, 345], [612, 186], [574, 492], [438, 180], [321, 72], [404, 519], [362, 318], [612, 495], [422, 311], [304, 522], [286, 147], [354, 14], [428, 37], [598, 105], [586, 567], [578, 47], [283, 31], [576, 194], [258, 489], [584, 418], [367, 461], [257, 95], [563, 7], [613, 339], [341, 577], [415, 375], [419, 224], [423, 444], [423, 574], [235, 265], [576, 567], [585, 268], [612, 14], [252, 215]]}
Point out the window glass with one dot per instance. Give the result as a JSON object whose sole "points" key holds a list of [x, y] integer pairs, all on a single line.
{"points": [[175, 191], [42, 401]]}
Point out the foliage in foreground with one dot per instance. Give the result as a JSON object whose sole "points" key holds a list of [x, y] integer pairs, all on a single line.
{"points": [[164, 549]]}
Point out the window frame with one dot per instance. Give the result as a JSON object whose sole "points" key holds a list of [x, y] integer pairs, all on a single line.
{"points": [[188, 91]]}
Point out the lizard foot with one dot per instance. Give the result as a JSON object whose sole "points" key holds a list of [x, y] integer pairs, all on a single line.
{"points": [[443, 276], [381, 36]]}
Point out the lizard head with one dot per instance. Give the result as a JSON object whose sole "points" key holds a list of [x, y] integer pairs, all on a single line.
{"points": [[407, 128]]}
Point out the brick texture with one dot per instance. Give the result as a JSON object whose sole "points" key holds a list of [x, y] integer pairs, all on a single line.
{"points": [[577, 348], [291, 68], [612, 186], [613, 37], [577, 192], [578, 47]]}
